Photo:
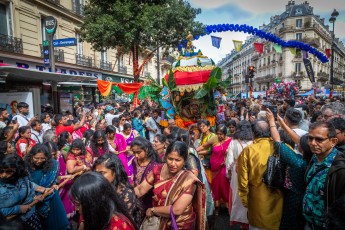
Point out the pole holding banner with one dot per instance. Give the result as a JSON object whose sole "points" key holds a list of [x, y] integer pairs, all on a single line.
{"points": [[51, 25]]}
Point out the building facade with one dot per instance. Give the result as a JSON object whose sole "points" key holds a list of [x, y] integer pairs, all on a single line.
{"points": [[22, 32], [297, 22]]}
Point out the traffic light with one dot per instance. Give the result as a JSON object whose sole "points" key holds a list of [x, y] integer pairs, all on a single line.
{"points": [[251, 71]]}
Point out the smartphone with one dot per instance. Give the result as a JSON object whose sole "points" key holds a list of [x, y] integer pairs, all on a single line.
{"points": [[274, 110], [14, 121]]}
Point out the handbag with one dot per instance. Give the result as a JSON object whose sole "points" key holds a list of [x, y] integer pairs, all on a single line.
{"points": [[274, 176], [151, 223]]}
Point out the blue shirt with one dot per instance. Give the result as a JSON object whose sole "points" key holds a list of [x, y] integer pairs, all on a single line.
{"points": [[14, 195], [314, 201]]}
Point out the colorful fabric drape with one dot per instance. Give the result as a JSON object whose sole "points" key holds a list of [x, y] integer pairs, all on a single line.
{"points": [[259, 47], [278, 48], [328, 53], [104, 87], [237, 45]]}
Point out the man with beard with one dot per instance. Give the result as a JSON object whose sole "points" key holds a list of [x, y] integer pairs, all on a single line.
{"points": [[325, 174], [3, 117], [23, 118]]}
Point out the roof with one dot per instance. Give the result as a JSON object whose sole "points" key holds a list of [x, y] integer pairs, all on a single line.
{"points": [[14, 73]]}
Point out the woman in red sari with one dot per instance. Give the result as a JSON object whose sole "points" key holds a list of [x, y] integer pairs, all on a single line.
{"points": [[97, 202], [220, 185], [178, 193]]}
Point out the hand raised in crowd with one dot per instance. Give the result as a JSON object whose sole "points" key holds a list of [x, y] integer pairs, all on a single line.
{"points": [[24, 208], [269, 116]]}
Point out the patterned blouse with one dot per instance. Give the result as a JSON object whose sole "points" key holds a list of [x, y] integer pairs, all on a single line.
{"points": [[314, 201]]}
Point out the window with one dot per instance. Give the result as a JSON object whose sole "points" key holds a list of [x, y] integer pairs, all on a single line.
{"points": [[78, 6], [6, 19], [298, 36], [104, 56], [298, 23], [80, 46], [298, 67]]}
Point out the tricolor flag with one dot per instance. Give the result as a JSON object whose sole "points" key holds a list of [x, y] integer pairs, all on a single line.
{"points": [[238, 45], [216, 41]]}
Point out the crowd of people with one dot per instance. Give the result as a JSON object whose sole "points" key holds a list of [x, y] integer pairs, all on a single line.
{"points": [[112, 166]]}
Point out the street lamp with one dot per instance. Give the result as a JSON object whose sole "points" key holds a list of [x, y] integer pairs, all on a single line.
{"points": [[332, 20]]}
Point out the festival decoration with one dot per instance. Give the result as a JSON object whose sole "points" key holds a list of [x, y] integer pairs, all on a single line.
{"points": [[259, 47], [278, 48], [237, 45], [165, 101], [216, 41], [284, 89], [104, 87], [262, 34], [328, 53], [293, 50]]}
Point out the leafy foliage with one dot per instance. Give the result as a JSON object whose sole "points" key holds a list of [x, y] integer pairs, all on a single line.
{"points": [[131, 23]]}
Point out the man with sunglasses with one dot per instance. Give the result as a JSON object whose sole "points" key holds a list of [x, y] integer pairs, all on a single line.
{"points": [[324, 176]]}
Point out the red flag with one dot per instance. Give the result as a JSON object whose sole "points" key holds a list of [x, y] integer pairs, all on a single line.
{"points": [[328, 53], [259, 47]]}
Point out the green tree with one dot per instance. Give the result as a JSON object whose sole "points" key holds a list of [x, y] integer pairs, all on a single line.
{"points": [[134, 25]]}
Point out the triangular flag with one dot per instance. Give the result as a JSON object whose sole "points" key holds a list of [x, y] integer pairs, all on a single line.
{"points": [[259, 47], [304, 54], [328, 53], [278, 48], [292, 50], [238, 45], [216, 41]]}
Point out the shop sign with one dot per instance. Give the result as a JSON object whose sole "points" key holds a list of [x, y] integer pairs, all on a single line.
{"points": [[118, 79], [40, 67]]}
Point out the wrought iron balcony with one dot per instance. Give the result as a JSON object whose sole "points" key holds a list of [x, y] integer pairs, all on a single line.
{"points": [[122, 69], [57, 2], [83, 60], [59, 54], [105, 65], [78, 7], [11, 44]]}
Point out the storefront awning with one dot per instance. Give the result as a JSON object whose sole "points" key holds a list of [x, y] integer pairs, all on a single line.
{"points": [[14, 73]]}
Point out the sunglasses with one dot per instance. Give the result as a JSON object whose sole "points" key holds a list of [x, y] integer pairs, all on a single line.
{"points": [[317, 139], [8, 171]]}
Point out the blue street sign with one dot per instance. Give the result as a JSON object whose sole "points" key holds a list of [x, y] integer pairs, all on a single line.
{"points": [[65, 42], [46, 62]]}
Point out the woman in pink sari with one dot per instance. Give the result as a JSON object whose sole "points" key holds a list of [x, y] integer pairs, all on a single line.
{"points": [[220, 185], [117, 145], [64, 191]]}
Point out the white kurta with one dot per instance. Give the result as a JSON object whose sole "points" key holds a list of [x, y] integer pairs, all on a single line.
{"points": [[238, 211]]}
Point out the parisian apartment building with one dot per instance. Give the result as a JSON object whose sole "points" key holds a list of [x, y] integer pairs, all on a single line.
{"points": [[297, 22]]}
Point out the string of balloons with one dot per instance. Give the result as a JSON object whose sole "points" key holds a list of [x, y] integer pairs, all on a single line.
{"points": [[262, 34]]}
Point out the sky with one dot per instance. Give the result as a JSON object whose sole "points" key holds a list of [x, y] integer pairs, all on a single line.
{"points": [[254, 13]]}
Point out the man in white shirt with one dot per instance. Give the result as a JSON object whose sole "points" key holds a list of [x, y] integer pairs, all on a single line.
{"points": [[23, 118], [3, 117], [110, 114], [152, 125], [292, 118], [37, 132]]}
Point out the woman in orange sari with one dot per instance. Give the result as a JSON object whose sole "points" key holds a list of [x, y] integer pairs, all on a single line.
{"points": [[220, 184], [179, 196]]}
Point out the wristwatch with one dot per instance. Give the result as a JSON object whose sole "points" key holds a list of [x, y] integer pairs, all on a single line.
{"points": [[152, 211]]}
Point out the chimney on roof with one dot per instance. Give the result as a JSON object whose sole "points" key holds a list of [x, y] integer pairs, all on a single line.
{"points": [[292, 2], [306, 3]]}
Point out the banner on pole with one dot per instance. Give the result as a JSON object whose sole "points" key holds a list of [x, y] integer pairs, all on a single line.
{"points": [[216, 41], [238, 45], [309, 69], [259, 47]]}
